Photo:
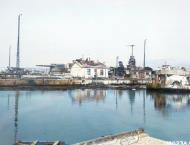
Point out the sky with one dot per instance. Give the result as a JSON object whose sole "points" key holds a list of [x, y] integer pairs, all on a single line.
{"points": [[59, 31]]}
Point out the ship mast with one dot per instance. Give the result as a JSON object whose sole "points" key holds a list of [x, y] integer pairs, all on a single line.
{"points": [[9, 56], [144, 64], [132, 46], [18, 44]]}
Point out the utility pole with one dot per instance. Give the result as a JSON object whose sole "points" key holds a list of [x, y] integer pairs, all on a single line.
{"points": [[18, 44], [144, 64], [9, 56], [132, 46], [117, 61], [116, 65]]}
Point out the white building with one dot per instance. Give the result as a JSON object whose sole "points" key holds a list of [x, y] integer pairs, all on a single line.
{"points": [[169, 70], [88, 69], [176, 81], [173, 77]]}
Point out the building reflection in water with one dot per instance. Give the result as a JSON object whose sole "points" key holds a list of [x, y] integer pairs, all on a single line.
{"points": [[117, 94], [144, 106], [120, 93], [8, 102], [165, 103], [178, 101], [80, 96], [159, 102], [140, 106], [131, 94], [99, 95]]}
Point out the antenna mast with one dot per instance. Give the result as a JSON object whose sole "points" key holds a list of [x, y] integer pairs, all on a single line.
{"points": [[117, 61], [18, 44], [9, 56], [144, 64], [132, 45]]}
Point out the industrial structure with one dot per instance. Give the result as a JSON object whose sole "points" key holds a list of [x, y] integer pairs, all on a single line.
{"points": [[9, 57], [18, 44], [132, 61], [167, 76], [144, 62], [17, 71], [56, 68], [172, 77], [138, 73]]}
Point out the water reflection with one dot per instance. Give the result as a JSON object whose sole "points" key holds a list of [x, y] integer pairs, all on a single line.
{"points": [[131, 95], [80, 96], [16, 115], [179, 101], [166, 103], [8, 102], [132, 108], [144, 106], [120, 92], [159, 102], [116, 99]]}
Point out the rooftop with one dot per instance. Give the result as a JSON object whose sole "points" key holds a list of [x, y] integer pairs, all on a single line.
{"points": [[89, 63]]}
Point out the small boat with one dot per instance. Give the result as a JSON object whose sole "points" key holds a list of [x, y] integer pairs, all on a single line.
{"points": [[39, 143]]}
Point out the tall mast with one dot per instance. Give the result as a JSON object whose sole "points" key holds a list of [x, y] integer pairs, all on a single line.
{"points": [[144, 64], [18, 44], [117, 61], [132, 49], [9, 56]]}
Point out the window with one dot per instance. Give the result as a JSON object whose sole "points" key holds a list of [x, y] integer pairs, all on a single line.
{"points": [[95, 73], [88, 71], [147, 73], [101, 72]]}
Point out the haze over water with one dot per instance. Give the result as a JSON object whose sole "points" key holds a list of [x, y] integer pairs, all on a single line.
{"points": [[78, 115]]}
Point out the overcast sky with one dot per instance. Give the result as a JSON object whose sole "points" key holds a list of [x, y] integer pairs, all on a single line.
{"points": [[58, 31]]}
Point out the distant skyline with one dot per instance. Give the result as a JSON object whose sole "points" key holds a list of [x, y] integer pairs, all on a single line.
{"points": [[58, 31]]}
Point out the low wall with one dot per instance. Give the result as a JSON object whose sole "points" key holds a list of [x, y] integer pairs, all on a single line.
{"points": [[37, 82], [48, 83]]}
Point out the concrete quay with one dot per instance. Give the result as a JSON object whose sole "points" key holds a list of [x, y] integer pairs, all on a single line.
{"points": [[138, 137], [72, 83]]}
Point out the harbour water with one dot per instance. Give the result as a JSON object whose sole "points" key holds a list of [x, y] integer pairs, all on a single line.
{"points": [[79, 115]]}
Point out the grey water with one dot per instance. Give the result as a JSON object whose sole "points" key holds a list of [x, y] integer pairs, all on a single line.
{"points": [[78, 115]]}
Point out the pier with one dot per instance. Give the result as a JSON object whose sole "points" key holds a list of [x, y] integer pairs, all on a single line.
{"points": [[71, 83], [39, 143], [137, 137]]}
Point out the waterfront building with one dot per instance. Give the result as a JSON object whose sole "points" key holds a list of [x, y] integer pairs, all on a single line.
{"points": [[117, 72], [88, 69], [131, 63], [120, 70], [13, 73], [140, 73], [172, 77], [137, 73], [56, 68]]}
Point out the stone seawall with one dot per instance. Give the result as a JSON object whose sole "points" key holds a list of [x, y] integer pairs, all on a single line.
{"points": [[50, 83], [37, 82]]}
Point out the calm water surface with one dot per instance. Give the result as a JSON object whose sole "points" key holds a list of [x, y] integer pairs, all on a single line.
{"points": [[78, 115]]}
